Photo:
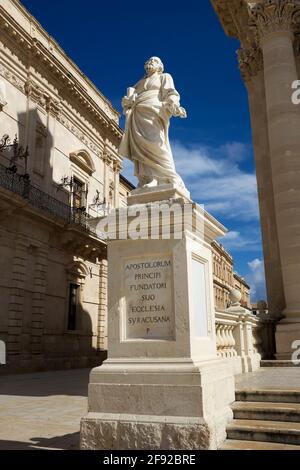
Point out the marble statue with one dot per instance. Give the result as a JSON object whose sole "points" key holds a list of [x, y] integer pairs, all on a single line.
{"points": [[148, 107]]}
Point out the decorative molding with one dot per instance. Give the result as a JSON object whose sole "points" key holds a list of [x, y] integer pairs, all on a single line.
{"points": [[38, 95], [223, 10], [250, 62], [270, 16], [78, 133], [3, 101], [83, 160], [33, 91], [11, 78], [78, 269], [107, 158], [117, 166]]}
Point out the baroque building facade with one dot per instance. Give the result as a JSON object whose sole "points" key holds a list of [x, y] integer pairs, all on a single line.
{"points": [[269, 60], [225, 279], [53, 268], [62, 171]]}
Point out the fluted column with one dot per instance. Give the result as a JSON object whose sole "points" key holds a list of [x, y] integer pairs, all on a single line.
{"points": [[251, 66], [275, 22]]}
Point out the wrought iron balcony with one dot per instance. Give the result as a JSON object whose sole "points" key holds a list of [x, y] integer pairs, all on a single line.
{"points": [[21, 185]]}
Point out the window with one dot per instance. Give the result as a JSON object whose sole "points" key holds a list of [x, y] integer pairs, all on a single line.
{"points": [[73, 306], [78, 199], [78, 194]]}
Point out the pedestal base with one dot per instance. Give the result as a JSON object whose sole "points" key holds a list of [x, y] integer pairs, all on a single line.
{"points": [[165, 192], [287, 333], [162, 386], [158, 406]]}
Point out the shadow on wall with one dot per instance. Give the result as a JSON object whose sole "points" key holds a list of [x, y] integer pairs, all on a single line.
{"points": [[59, 345]]}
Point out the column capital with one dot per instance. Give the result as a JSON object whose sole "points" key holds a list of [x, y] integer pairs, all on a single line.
{"points": [[250, 62], [117, 166], [107, 158], [271, 16]]}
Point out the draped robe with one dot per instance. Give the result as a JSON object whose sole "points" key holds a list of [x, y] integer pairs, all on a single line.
{"points": [[146, 137]]}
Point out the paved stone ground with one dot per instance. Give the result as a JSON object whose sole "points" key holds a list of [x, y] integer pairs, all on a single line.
{"points": [[42, 410], [278, 378]]}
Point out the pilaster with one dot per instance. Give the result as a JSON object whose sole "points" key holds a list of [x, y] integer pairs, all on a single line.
{"points": [[16, 303], [102, 316], [38, 301]]}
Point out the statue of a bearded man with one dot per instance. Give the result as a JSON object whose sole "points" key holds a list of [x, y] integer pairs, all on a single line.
{"points": [[148, 107]]}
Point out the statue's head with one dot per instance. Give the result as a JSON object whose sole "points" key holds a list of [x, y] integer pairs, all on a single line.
{"points": [[154, 64]]}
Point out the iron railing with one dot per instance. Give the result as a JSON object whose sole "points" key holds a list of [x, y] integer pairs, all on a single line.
{"points": [[21, 185]]}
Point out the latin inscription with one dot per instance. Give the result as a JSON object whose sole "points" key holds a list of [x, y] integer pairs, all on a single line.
{"points": [[148, 294]]}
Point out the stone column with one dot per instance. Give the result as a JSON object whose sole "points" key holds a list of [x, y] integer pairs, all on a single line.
{"points": [[275, 22], [251, 66]]}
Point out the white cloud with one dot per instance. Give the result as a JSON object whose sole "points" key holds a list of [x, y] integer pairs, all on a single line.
{"points": [[256, 279], [235, 151], [216, 180], [236, 241]]}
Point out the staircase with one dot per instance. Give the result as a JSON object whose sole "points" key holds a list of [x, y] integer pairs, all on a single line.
{"points": [[265, 419]]}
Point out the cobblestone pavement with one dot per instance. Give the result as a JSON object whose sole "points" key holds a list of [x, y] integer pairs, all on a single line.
{"points": [[42, 410]]}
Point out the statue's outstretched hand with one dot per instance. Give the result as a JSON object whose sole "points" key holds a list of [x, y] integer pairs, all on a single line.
{"points": [[183, 113], [176, 111]]}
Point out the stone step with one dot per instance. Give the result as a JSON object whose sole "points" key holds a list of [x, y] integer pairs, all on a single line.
{"points": [[267, 411], [273, 363], [265, 431], [269, 395], [231, 444]]}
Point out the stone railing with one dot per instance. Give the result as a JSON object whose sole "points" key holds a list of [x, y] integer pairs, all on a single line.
{"points": [[239, 338]]}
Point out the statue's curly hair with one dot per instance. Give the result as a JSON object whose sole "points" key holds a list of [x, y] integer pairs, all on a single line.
{"points": [[161, 65]]}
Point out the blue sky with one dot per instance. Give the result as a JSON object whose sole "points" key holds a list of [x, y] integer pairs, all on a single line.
{"points": [[110, 42]]}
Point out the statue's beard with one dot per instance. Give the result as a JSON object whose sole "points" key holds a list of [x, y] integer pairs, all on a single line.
{"points": [[151, 70]]}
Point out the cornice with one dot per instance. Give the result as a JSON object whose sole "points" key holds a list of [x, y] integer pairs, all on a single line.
{"points": [[11, 78], [63, 73], [223, 11], [234, 17]]}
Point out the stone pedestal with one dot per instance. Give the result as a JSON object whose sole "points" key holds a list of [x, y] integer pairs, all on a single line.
{"points": [[162, 386]]}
